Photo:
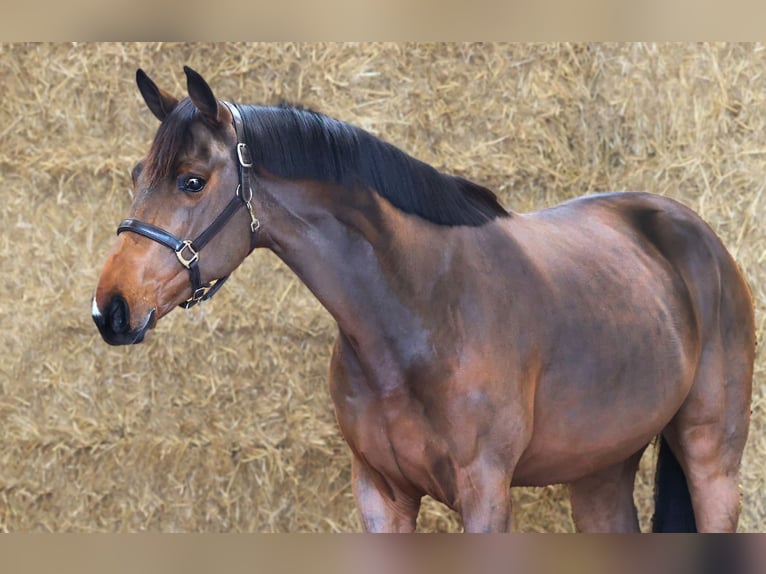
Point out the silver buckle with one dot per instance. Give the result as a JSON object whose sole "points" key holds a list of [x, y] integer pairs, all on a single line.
{"points": [[243, 151]]}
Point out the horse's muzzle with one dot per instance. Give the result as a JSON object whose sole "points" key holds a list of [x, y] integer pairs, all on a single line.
{"points": [[114, 322]]}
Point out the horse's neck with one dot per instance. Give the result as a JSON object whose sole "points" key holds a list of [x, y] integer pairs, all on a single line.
{"points": [[366, 262]]}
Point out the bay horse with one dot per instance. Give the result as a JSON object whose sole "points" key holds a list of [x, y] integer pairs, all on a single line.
{"points": [[478, 348]]}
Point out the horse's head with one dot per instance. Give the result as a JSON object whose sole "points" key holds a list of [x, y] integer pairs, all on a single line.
{"points": [[191, 191]]}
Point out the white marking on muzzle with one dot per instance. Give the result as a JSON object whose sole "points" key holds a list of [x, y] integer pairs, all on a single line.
{"points": [[94, 311]]}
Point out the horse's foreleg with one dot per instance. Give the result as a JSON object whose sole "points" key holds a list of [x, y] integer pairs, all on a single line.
{"points": [[484, 498], [382, 508]]}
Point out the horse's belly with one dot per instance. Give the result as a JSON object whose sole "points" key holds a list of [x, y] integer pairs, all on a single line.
{"points": [[544, 464], [581, 430]]}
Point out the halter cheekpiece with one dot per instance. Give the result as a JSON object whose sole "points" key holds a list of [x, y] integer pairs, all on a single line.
{"points": [[188, 251]]}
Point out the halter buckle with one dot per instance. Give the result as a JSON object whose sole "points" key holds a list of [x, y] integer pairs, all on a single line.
{"points": [[180, 254], [243, 153]]}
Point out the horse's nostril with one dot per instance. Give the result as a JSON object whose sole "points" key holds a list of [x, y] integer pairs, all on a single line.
{"points": [[118, 315]]}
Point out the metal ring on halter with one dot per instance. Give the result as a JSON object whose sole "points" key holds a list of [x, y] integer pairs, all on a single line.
{"points": [[241, 196]]}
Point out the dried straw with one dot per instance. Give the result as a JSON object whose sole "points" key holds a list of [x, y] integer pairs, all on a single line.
{"points": [[223, 422]]}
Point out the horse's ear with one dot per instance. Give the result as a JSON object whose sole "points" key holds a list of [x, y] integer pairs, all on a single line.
{"points": [[202, 96], [160, 102]]}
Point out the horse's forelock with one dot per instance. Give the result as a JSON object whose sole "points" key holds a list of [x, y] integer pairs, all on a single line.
{"points": [[173, 137]]}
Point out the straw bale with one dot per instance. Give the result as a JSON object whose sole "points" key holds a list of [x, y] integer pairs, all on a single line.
{"points": [[221, 420]]}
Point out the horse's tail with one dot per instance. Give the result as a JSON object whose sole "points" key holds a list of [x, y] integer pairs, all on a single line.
{"points": [[673, 511]]}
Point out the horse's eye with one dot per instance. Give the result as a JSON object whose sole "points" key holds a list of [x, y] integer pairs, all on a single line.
{"points": [[191, 183]]}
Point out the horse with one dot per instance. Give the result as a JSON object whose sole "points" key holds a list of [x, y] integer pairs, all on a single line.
{"points": [[478, 348]]}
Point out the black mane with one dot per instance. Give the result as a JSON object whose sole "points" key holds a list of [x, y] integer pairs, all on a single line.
{"points": [[297, 143], [294, 142]]}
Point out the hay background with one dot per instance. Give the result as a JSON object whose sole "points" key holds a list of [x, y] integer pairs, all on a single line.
{"points": [[222, 421]]}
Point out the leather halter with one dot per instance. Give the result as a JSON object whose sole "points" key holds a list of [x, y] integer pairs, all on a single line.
{"points": [[188, 251]]}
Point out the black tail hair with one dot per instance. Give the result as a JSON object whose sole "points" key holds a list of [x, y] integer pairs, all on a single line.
{"points": [[673, 511]]}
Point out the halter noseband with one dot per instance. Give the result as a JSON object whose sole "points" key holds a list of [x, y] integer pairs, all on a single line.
{"points": [[187, 251]]}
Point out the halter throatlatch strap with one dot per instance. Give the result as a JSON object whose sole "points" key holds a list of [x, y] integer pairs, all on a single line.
{"points": [[188, 251], [245, 162]]}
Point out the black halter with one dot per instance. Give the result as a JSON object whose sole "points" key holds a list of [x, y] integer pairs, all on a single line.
{"points": [[187, 251]]}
